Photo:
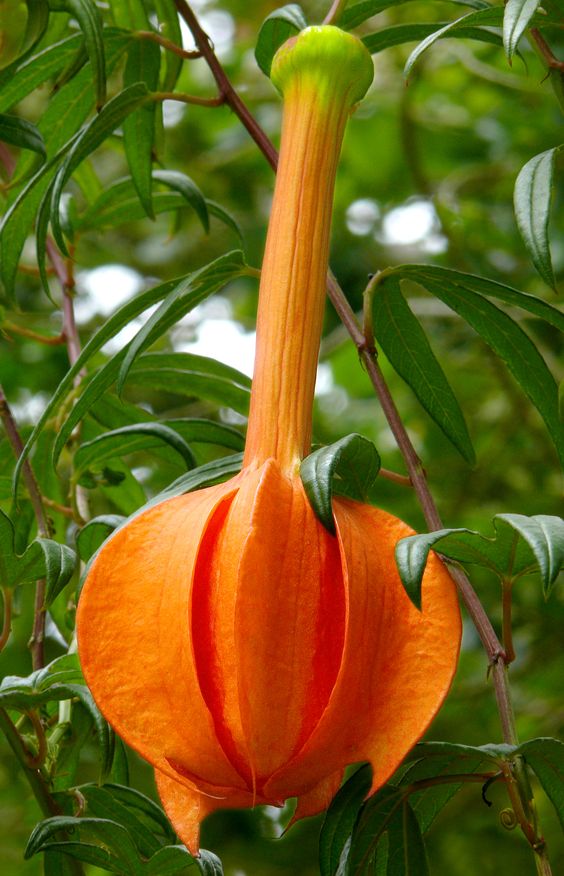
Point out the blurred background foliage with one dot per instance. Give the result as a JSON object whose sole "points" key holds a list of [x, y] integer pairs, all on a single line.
{"points": [[427, 175]]}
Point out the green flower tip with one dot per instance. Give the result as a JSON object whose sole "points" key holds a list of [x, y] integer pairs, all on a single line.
{"points": [[330, 56]]}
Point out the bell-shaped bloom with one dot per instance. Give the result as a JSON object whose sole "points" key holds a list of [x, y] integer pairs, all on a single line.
{"points": [[241, 648]]}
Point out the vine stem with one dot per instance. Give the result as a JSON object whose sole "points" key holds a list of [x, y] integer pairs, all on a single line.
{"points": [[36, 643], [335, 12]]}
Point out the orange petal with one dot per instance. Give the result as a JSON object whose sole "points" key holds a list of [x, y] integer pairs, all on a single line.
{"points": [[186, 807], [134, 636], [269, 623], [398, 663], [318, 799]]}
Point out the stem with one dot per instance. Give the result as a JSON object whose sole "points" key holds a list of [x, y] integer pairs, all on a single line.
{"points": [[38, 632], [545, 51], [507, 633], [188, 98], [34, 775], [335, 12], [7, 619], [225, 87], [166, 44], [50, 341]]}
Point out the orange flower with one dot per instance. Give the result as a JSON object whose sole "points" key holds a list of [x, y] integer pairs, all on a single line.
{"points": [[230, 639]]}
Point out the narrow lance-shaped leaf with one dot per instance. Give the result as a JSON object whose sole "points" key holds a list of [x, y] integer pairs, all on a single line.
{"points": [[353, 459], [97, 841], [181, 300], [406, 346], [399, 34], [339, 821], [143, 65], [490, 16], [356, 13], [113, 325], [517, 16], [21, 133], [406, 847], [275, 30], [531, 197], [509, 341], [169, 27], [95, 532], [90, 23], [117, 443], [483, 286], [110, 117], [16, 83]]}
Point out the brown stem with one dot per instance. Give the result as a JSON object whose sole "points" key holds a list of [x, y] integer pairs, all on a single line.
{"points": [[507, 633], [188, 98], [225, 87], [7, 619], [50, 341], [61, 509], [38, 631], [453, 779], [545, 51], [36, 761], [335, 12], [395, 477], [34, 776], [166, 44]]}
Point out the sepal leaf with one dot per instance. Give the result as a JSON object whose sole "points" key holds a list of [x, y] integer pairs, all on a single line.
{"points": [[349, 466]]}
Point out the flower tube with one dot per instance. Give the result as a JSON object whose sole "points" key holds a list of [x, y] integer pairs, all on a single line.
{"points": [[243, 650]]}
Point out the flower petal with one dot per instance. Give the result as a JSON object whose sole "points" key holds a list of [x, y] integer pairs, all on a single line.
{"points": [[269, 623], [398, 663], [134, 636]]}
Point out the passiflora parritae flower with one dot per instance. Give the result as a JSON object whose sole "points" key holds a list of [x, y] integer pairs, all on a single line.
{"points": [[233, 641]]}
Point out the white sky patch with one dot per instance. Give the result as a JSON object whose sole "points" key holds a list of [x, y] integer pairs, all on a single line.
{"points": [[102, 290], [362, 216], [220, 27], [414, 223]]}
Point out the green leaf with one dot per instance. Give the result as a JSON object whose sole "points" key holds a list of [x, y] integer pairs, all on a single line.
{"points": [[186, 187], [193, 376], [43, 558], [522, 544], [99, 129], [406, 346], [359, 12], [111, 327], [95, 532], [340, 818], [224, 216], [399, 34], [545, 756], [531, 197], [544, 534], [187, 294], [42, 687], [406, 848], [513, 346], [169, 860], [122, 441], [145, 808], [21, 26], [101, 803], [280, 25], [215, 472], [169, 27], [490, 288], [22, 133], [99, 841], [492, 15], [143, 65], [372, 823], [350, 465], [90, 22], [209, 864], [15, 84], [66, 111], [517, 16]]}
